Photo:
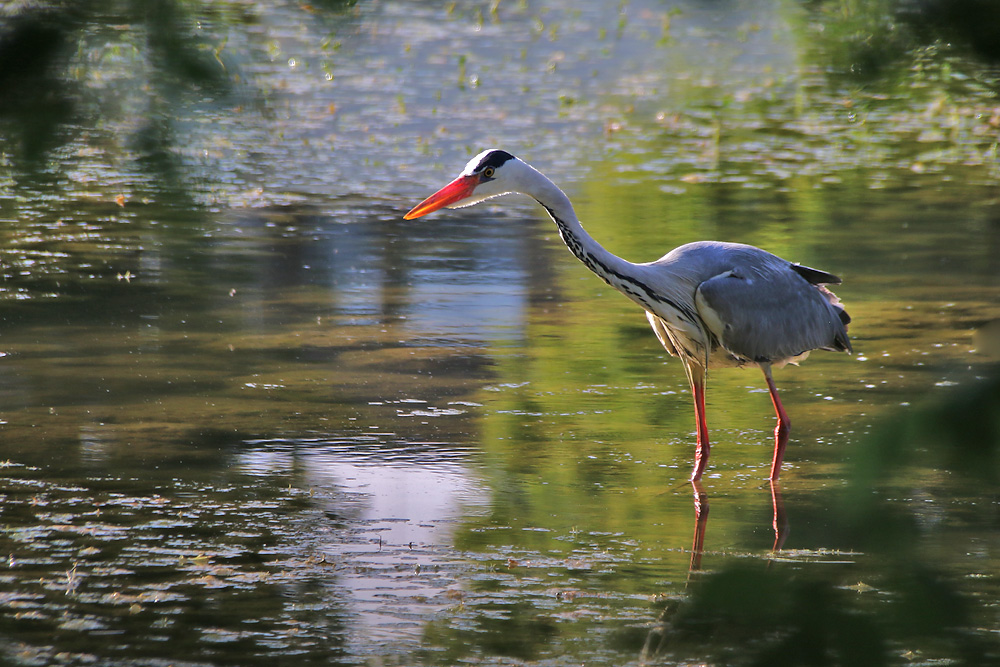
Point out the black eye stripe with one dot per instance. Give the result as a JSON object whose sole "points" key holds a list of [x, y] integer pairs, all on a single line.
{"points": [[495, 159]]}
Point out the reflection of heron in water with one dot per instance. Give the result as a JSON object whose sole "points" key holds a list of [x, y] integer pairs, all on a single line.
{"points": [[658, 641], [779, 522], [709, 303]]}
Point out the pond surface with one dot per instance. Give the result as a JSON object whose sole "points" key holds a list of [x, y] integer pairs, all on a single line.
{"points": [[251, 416]]}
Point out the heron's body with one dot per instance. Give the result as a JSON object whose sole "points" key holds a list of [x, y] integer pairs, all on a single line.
{"points": [[710, 303]]}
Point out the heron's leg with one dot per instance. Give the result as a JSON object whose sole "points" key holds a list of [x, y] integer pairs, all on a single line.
{"points": [[701, 446], [783, 427]]}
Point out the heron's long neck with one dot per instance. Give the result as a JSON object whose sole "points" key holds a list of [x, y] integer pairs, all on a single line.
{"points": [[613, 269], [632, 280]]}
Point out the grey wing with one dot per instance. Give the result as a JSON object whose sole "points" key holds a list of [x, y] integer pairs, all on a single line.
{"points": [[773, 313]]}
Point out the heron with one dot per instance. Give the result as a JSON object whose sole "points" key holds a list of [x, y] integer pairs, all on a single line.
{"points": [[710, 303]]}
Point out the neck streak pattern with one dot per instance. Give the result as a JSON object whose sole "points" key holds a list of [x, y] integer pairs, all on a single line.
{"points": [[630, 286]]}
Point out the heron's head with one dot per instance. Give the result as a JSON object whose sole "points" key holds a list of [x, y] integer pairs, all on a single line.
{"points": [[490, 174]]}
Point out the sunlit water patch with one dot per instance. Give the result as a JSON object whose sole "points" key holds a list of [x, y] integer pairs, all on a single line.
{"points": [[390, 509], [353, 533]]}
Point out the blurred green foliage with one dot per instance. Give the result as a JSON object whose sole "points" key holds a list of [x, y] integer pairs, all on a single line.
{"points": [[775, 613], [868, 38]]}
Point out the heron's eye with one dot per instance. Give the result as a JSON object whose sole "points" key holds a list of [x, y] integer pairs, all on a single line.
{"points": [[488, 172]]}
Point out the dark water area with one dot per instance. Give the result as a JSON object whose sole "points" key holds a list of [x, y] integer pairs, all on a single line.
{"points": [[249, 415]]}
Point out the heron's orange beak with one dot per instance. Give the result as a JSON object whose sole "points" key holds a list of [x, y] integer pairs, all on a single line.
{"points": [[455, 191]]}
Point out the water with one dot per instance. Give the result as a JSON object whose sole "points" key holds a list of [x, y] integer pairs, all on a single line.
{"points": [[249, 415]]}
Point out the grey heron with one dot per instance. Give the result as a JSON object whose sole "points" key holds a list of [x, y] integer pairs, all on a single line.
{"points": [[710, 303]]}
